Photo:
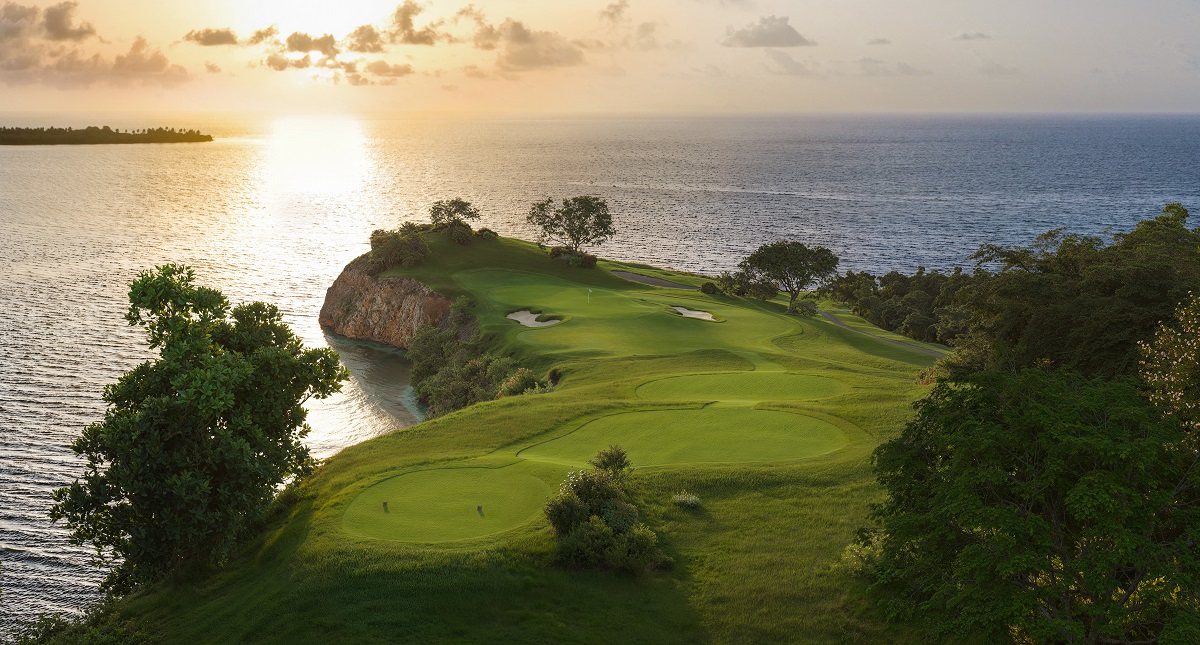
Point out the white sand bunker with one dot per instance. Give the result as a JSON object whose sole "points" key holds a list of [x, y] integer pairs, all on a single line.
{"points": [[530, 319], [692, 313]]}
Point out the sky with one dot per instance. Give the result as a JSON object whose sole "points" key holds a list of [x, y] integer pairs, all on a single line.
{"points": [[600, 57]]}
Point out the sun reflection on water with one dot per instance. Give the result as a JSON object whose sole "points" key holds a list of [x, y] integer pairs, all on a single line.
{"points": [[316, 155]]}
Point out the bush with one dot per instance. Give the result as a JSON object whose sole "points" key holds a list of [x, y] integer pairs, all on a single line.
{"points": [[395, 248], [587, 261], [460, 232], [520, 381], [709, 288], [806, 307], [732, 284], [619, 516], [565, 512], [612, 460], [559, 251], [633, 551], [589, 545], [554, 376], [566, 256], [486, 234]]}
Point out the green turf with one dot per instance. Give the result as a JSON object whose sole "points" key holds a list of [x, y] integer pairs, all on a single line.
{"points": [[713, 435], [442, 504], [749, 386], [781, 464]]}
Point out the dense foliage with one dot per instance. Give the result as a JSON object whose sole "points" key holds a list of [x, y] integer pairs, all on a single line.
{"points": [[580, 221], [403, 247], [193, 444], [453, 367], [1042, 506], [594, 522], [1075, 301], [451, 211]]}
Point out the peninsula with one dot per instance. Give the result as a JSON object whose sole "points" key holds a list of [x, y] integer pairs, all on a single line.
{"points": [[93, 135]]}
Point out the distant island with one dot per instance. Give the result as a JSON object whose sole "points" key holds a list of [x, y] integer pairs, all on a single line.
{"points": [[93, 135]]}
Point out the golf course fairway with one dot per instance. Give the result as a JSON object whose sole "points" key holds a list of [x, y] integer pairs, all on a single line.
{"points": [[768, 420]]}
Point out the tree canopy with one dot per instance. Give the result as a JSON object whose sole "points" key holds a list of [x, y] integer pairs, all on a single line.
{"points": [[194, 444], [580, 221], [449, 211], [1041, 506], [792, 266]]}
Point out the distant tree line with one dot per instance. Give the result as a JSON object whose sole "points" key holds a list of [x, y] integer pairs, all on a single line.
{"points": [[97, 135], [1067, 300]]}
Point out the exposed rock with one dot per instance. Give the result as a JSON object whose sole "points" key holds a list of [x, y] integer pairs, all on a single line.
{"points": [[387, 310]]}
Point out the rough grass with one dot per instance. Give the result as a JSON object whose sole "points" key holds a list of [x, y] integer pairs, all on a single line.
{"points": [[801, 403]]}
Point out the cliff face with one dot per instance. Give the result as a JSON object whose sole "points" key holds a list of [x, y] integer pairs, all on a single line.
{"points": [[385, 310]]}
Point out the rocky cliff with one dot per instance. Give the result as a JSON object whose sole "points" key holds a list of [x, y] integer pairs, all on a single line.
{"points": [[366, 306]]}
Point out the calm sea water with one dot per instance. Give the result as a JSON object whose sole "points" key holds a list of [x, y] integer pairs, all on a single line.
{"points": [[272, 210]]}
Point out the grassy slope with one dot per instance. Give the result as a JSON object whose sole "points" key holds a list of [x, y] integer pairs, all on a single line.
{"points": [[758, 563]]}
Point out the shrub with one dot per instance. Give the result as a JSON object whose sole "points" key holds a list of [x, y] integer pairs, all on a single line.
{"points": [[732, 284], [709, 288], [619, 516], [612, 460], [566, 512], [806, 307], [554, 376], [587, 261], [460, 232], [520, 381], [686, 500], [393, 248], [486, 234], [589, 545], [559, 251], [633, 551]]}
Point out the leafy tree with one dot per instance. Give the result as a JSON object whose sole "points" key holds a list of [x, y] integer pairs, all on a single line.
{"points": [[193, 444], [446, 212], [790, 266], [613, 461], [1171, 366], [580, 221], [1042, 507], [403, 247]]}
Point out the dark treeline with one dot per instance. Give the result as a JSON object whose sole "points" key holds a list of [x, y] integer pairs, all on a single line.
{"points": [[97, 135], [1067, 300]]}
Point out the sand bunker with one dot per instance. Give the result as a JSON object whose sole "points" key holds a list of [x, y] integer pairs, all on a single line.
{"points": [[530, 319], [692, 313]]}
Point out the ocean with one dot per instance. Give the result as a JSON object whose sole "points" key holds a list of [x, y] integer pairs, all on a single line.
{"points": [[274, 208]]}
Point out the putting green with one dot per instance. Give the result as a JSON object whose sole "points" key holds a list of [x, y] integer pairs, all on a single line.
{"points": [[441, 505], [709, 435], [744, 386]]}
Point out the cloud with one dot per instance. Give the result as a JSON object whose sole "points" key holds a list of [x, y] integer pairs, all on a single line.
{"points": [[278, 62], [404, 31], [263, 35], [783, 64], [474, 71], [302, 42], [769, 31], [212, 68], [972, 35], [17, 21], [876, 67], [365, 39], [615, 13], [212, 37], [384, 68], [524, 48], [58, 19], [879, 41]]}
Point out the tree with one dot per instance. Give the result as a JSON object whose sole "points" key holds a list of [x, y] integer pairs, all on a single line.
{"points": [[792, 266], [453, 211], [580, 221], [194, 444], [1041, 506]]}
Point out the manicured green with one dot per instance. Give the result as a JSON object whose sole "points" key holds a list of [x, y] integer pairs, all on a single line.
{"points": [[715, 435], [768, 419], [752, 386], [442, 504]]}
